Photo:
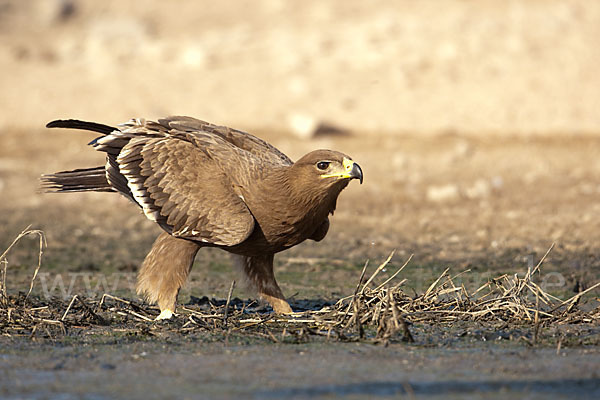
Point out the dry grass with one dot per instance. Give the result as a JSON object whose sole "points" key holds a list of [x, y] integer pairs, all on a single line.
{"points": [[509, 299], [379, 313], [4, 262]]}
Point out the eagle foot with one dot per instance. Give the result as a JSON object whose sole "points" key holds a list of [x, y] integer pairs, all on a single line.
{"points": [[164, 314], [280, 306]]}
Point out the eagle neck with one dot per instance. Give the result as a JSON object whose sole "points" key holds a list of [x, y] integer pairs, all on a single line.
{"points": [[308, 200]]}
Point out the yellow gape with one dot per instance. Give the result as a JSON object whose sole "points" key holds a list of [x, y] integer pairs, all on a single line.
{"points": [[346, 172]]}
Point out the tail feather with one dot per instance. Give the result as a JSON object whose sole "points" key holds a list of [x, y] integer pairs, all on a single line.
{"points": [[84, 125], [78, 180]]}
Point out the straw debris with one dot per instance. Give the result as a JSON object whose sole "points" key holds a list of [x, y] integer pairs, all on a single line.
{"points": [[379, 313]]}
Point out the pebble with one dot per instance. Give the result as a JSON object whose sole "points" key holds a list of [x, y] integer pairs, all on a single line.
{"points": [[442, 193]]}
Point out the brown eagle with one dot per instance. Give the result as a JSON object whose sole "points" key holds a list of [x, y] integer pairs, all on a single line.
{"points": [[211, 186]]}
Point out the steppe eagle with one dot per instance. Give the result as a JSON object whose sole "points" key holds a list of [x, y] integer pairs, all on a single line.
{"points": [[211, 186]]}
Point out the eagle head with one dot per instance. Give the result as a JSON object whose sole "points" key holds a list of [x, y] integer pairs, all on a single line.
{"points": [[328, 168]]}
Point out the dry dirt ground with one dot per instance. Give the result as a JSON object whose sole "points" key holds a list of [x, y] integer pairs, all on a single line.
{"points": [[491, 206], [488, 205]]}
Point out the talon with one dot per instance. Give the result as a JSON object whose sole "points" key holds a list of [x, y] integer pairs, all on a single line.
{"points": [[281, 307], [164, 314]]}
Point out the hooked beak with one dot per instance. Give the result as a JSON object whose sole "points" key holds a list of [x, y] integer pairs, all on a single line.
{"points": [[356, 172]]}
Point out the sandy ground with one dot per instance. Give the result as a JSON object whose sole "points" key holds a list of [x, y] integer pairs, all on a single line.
{"points": [[500, 67], [491, 206]]}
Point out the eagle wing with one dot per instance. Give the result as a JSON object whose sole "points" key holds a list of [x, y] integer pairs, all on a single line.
{"points": [[261, 150], [184, 191], [183, 178]]}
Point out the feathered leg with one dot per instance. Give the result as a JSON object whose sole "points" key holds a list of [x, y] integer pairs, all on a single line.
{"points": [[165, 270], [259, 273]]}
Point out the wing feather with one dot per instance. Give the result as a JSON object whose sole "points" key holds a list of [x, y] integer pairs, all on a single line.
{"points": [[259, 148], [182, 172], [184, 191]]}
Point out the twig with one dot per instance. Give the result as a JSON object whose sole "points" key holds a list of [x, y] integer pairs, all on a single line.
{"points": [[226, 312], [536, 320], [574, 299], [434, 284], [395, 273], [3, 293], [105, 295], [138, 315], [3, 260], [69, 307], [382, 266], [43, 244], [362, 276], [539, 264], [97, 317]]}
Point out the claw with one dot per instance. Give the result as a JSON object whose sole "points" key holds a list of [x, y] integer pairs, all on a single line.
{"points": [[164, 314]]}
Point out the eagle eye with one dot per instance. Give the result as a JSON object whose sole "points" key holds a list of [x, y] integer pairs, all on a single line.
{"points": [[323, 165]]}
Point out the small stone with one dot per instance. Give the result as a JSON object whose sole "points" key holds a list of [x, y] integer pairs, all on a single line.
{"points": [[479, 190], [442, 193], [302, 125], [329, 129]]}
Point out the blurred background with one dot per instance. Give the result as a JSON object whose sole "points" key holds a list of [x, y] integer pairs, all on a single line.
{"points": [[477, 67], [476, 124]]}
